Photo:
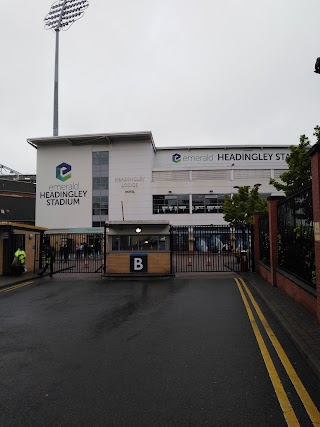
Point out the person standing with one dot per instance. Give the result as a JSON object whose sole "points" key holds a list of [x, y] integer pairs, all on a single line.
{"points": [[78, 250], [19, 261], [50, 255], [61, 252], [66, 253]]}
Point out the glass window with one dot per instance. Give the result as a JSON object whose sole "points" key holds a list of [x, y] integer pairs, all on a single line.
{"points": [[104, 205], [100, 186], [100, 183], [98, 223], [96, 183], [95, 209], [100, 158], [138, 243], [207, 203], [173, 204]]}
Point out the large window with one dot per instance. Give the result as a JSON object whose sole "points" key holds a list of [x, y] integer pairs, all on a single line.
{"points": [[138, 243], [179, 203], [207, 203], [173, 204], [100, 187]]}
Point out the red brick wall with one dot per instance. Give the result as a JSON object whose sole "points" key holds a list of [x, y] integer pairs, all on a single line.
{"points": [[264, 272], [297, 293]]}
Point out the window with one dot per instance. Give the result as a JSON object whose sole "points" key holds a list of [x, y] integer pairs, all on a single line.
{"points": [[100, 183], [138, 243], [100, 186], [99, 205], [171, 204], [207, 203], [100, 158], [179, 203]]}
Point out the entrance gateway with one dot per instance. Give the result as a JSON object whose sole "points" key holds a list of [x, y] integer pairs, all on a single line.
{"points": [[210, 248], [74, 252], [157, 249]]}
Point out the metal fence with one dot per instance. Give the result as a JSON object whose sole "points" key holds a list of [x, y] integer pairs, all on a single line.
{"points": [[210, 248], [296, 236], [264, 239], [75, 253]]}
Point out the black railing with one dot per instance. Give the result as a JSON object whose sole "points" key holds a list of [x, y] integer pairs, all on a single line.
{"points": [[74, 253], [296, 236], [210, 248], [264, 239]]}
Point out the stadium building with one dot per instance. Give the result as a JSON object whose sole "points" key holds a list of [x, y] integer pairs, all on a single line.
{"points": [[85, 180]]}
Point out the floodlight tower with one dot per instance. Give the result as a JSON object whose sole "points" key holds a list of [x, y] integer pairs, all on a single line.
{"points": [[62, 15]]}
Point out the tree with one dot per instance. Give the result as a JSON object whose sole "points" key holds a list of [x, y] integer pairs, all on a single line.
{"points": [[298, 174], [238, 210]]}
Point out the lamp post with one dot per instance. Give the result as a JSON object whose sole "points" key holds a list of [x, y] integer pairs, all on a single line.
{"points": [[62, 15]]}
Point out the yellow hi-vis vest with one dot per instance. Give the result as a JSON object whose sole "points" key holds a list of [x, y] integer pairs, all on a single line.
{"points": [[21, 255]]}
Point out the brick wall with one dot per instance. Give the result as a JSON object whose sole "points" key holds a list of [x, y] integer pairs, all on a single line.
{"points": [[297, 293], [264, 272]]}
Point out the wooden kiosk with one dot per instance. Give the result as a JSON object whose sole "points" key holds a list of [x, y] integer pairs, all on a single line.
{"points": [[137, 249]]}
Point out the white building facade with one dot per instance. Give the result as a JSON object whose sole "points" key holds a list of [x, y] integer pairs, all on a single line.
{"points": [[85, 180]]}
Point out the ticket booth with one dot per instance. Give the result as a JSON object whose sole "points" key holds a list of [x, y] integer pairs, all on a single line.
{"points": [[137, 248], [17, 235]]}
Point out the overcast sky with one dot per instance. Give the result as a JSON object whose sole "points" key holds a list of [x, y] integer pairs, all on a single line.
{"points": [[193, 72]]}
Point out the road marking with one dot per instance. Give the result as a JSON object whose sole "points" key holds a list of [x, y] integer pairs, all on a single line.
{"points": [[285, 404], [19, 285], [310, 407]]}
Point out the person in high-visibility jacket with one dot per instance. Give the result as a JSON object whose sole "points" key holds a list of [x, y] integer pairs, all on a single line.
{"points": [[50, 255], [19, 261]]}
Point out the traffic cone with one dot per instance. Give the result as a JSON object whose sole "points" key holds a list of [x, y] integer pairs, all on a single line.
{"points": [[189, 263], [86, 264], [209, 262]]}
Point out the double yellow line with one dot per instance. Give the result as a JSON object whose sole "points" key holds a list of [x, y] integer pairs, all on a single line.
{"points": [[285, 404], [19, 285]]}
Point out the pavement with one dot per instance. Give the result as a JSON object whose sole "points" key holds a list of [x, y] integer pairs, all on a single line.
{"points": [[302, 328]]}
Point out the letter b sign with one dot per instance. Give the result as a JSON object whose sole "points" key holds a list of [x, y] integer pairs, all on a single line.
{"points": [[138, 263]]}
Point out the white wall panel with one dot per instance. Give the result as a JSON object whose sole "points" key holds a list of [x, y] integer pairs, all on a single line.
{"points": [[130, 176]]}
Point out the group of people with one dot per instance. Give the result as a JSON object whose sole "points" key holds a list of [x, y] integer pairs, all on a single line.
{"points": [[18, 264], [82, 251]]}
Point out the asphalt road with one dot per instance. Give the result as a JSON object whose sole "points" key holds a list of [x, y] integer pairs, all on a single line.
{"points": [[77, 350]]}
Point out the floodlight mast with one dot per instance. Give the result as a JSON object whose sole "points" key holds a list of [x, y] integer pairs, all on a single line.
{"points": [[62, 15]]}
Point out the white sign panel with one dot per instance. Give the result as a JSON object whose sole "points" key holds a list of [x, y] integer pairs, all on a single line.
{"points": [[254, 158], [64, 187]]}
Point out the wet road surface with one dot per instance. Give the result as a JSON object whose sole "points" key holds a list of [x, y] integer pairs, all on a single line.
{"points": [[79, 350]]}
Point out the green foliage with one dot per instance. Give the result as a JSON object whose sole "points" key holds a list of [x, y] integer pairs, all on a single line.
{"points": [[299, 173], [238, 210]]}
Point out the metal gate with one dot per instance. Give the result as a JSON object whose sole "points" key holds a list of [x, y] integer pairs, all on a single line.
{"points": [[75, 253], [210, 248]]}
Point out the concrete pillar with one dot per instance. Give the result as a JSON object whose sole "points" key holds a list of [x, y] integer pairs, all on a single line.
{"points": [[314, 153]]}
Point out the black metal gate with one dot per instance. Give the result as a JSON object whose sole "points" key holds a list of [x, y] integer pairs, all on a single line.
{"points": [[210, 248], [75, 253]]}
